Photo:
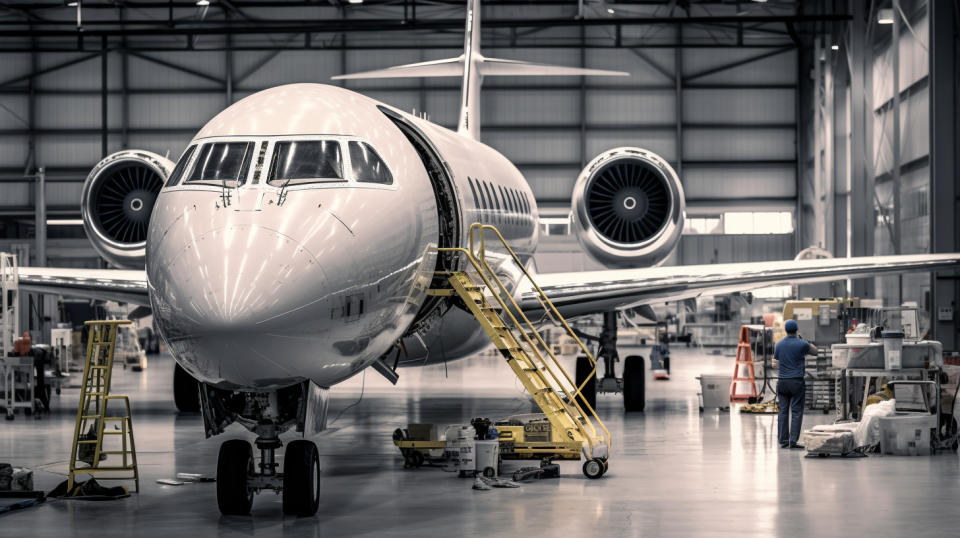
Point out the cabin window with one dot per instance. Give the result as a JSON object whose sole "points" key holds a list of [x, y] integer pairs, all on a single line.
{"points": [[367, 165], [181, 167], [494, 204], [476, 201], [222, 164], [304, 162]]}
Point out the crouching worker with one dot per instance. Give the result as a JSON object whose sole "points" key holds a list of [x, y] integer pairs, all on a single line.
{"points": [[790, 353]]}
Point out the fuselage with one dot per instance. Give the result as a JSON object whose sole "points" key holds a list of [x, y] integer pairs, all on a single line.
{"points": [[291, 239]]}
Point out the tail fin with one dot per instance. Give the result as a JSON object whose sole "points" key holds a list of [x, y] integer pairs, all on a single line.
{"points": [[473, 66]]}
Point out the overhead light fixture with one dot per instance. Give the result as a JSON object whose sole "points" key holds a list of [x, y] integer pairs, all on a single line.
{"points": [[834, 47], [885, 16], [610, 10], [760, 1], [203, 3], [355, 1], [64, 222], [71, 4]]}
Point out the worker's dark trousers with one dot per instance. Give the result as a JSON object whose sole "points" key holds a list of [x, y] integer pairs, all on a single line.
{"points": [[791, 393]]}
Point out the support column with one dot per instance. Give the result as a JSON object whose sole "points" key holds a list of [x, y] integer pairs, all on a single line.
{"points": [[678, 117], [40, 215], [228, 71], [125, 89], [103, 97], [583, 101], [862, 220], [895, 147], [944, 166]]}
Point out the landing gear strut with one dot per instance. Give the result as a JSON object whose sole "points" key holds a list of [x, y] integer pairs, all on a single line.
{"points": [[633, 382]]}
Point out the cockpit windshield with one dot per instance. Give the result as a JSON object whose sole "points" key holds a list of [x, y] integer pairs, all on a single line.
{"points": [[222, 164], [317, 160], [306, 161], [367, 165]]}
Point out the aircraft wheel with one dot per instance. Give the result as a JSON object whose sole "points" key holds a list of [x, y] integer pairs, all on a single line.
{"points": [[634, 384], [593, 469], [301, 479], [186, 391], [589, 392], [234, 466]]}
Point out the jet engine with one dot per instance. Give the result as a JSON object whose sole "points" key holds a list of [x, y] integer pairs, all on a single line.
{"points": [[628, 208], [116, 203]]}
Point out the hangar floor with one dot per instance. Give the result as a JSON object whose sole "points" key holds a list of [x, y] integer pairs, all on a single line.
{"points": [[673, 471]]}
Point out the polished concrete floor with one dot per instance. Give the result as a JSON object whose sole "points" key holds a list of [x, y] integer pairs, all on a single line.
{"points": [[673, 471]]}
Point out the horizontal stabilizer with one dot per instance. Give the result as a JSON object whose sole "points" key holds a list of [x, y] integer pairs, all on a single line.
{"points": [[448, 67], [453, 67], [501, 67]]}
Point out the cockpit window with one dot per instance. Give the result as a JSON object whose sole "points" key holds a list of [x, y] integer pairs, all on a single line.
{"points": [[222, 163], [368, 167], [181, 167], [308, 161]]}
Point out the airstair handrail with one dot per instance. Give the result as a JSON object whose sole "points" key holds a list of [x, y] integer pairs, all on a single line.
{"points": [[540, 292], [484, 270]]}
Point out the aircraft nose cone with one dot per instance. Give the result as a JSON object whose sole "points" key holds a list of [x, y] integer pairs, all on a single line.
{"points": [[235, 298]]}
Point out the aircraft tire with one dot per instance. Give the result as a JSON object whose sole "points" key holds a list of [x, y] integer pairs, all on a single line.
{"points": [[589, 392], [634, 384], [186, 391], [301, 479], [234, 465]]}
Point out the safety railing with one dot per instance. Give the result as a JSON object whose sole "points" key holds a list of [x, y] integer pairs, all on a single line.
{"points": [[476, 256]]}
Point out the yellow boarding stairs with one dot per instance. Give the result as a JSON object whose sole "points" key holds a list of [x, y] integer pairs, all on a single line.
{"points": [[530, 358], [93, 417]]}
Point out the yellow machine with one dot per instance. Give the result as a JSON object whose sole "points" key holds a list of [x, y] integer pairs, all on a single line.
{"points": [[573, 426], [536, 439]]}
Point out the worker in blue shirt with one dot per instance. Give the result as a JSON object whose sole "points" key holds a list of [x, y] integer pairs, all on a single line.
{"points": [[790, 353]]}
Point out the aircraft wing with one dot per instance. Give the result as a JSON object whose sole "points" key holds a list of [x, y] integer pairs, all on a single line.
{"points": [[125, 286], [590, 292]]}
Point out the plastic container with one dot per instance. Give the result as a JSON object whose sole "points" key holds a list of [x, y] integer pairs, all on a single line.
{"points": [[906, 435], [892, 349], [715, 391], [857, 339], [487, 453], [466, 446]]}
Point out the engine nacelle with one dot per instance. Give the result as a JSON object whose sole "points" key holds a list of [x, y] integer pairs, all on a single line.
{"points": [[117, 201], [628, 208]]}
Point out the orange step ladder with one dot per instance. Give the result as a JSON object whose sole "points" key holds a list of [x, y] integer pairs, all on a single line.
{"points": [[744, 359]]}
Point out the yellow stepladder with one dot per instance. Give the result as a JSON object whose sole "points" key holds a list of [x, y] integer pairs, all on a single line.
{"points": [[525, 351], [92, 417]]}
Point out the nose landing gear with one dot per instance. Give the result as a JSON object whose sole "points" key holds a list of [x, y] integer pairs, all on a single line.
{"points": [[267, 414], [299, 483]]}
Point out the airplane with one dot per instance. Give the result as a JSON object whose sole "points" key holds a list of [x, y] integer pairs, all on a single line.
{"points": [[280, 254]]}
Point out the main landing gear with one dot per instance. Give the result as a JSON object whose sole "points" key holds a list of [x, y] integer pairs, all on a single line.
{"points": [[633, 382]]}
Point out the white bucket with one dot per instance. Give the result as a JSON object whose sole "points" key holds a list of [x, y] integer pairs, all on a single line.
{"points": [[487, 454]]}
